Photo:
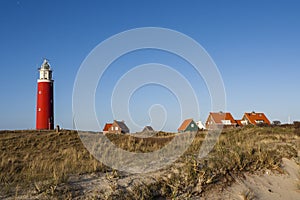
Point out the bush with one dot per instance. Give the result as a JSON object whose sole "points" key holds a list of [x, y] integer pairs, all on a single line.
{"points": [[262, 125], [297, 128], [276, 123], [297, 124]]}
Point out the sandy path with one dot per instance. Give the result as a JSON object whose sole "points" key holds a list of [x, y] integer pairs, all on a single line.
{"points": [[267, 186]]}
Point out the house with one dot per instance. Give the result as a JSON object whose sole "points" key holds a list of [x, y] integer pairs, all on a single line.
{"points": [[220, 119], [118, 127], [188, 125], [148, 129], [106, 128], [255, 119], [200, 125]]}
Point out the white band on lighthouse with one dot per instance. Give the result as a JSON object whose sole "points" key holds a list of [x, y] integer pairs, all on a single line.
{"points": [[44, 80]]}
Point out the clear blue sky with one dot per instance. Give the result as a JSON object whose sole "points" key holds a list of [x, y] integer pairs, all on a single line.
{"points": [[255, 45]]}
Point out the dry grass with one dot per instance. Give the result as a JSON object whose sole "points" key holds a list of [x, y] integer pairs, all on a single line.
{"points": [[248, 195], [237, 151], [298, 184], [143, 145], [41, 159], [44, 160]]}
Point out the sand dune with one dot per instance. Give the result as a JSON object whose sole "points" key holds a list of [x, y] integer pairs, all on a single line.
{"points": [[264, 185]]}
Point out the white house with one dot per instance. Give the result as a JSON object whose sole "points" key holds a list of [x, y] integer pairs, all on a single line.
{"points": [[200, 125]]}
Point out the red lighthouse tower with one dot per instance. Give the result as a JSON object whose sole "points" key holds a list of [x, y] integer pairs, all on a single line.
{"points": [[44, 106]]}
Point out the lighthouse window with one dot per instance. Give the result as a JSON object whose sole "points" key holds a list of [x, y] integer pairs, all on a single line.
{"points": [[40, 92], [39, 109]]}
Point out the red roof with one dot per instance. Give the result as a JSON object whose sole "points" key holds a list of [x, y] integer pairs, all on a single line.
{"points": [[107, 126], [239, 122], [185, 124], [219, 116], [255, 118]]}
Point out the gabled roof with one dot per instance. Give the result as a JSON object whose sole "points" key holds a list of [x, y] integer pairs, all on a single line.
{"points": [[123, 126], [239, 122], [107, 126], [148, 128], [253, 117], [219, 116], [185, 124]]}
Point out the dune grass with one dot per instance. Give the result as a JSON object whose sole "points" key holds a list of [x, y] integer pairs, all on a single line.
{"points": [[236, 152], [40, 161]]}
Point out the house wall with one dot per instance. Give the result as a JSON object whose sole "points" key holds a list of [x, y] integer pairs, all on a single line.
{"points": [[191, 127], [245, 120], [209, 122], [105, 132], [115, 128], [200, 125]]}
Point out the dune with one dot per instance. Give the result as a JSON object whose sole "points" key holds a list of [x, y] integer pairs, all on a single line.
{"points": [[245, 164], [265, 185]]}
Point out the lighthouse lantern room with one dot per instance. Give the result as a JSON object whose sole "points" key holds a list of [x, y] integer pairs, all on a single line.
{"points": [[45, 108]]}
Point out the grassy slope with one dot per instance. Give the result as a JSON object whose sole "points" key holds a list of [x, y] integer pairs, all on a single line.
{"points": [[42, 160]]}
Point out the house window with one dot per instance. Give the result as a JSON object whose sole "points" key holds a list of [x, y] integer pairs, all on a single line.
{"points": [[116, 128], [259, 121], [226, 122], [192, 125]]}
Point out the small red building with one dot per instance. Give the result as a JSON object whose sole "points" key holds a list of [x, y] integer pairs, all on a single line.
{"points": [[106, 128]]}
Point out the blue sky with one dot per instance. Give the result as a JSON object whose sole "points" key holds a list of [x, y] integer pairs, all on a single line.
{"points": [[255, 45]]}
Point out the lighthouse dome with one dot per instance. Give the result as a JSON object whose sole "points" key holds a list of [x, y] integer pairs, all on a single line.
{"points": [[45, 65]]}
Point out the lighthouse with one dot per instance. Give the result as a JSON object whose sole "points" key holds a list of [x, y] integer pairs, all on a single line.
{"points": [[44, 106]]}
